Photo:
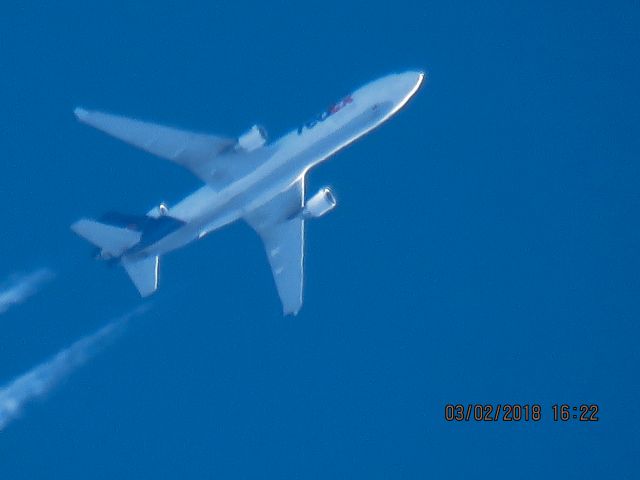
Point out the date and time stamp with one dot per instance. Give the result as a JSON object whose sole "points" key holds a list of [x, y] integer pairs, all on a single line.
{"points": [[521, 412]]}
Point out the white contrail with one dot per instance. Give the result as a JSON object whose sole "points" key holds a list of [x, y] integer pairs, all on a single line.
{"points": [[42, 378], [21, 287]]}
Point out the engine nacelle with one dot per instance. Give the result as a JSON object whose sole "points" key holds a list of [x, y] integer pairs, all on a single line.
{"points": [[318, 205], [159, 211], [255, 138]]}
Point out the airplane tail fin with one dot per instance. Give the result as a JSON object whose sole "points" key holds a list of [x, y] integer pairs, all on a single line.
{"points": [[113, 241]]}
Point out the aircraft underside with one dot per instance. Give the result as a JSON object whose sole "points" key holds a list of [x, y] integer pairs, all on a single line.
{"points": [[244, 178]]}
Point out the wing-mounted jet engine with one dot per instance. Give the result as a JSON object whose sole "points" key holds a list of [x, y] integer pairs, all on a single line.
{"points": [[320, 204], [253, 139]]}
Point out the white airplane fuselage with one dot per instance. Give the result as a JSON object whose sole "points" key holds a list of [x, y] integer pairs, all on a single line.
{"points": [[285, 161]]}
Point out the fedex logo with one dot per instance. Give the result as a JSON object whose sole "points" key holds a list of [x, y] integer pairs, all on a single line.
{"points": [[336, 107]]}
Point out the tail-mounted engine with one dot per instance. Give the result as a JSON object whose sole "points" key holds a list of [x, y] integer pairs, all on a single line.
{"points": [[158, 211], [320, 204], [255, 138]]}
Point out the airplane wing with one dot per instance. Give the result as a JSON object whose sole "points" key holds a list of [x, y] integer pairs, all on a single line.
{"points": [[282, 232], [193, 151]]}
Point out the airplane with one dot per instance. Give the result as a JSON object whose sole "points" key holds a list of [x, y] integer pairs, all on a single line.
{"points": [[244, 178]]}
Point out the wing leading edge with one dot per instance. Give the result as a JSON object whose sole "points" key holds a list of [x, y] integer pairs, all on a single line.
{"points": [[194, 151], [282, 232]]}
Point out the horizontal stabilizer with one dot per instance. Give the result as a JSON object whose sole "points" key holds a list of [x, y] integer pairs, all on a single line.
{"points": [[112, 240], [143, 273], [125, 220]]}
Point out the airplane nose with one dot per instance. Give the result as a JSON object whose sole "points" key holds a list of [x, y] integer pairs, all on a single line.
{"points": [[394, 90], [407, 84], [412, 80]]}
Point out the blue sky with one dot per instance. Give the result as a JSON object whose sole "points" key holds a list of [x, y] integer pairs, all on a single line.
{"points": [[484, 250]]}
